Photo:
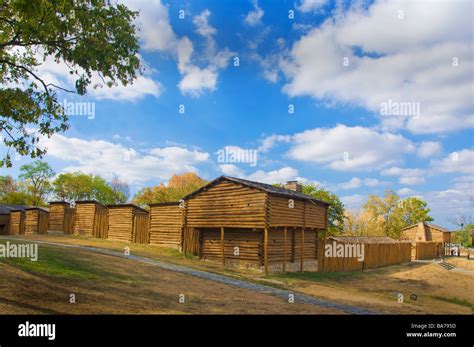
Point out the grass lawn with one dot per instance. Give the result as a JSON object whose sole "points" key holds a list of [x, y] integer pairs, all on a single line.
{"points": [[437, 290], [107, 284]]}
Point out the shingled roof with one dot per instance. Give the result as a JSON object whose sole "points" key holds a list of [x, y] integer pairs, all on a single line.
{"points": [[268, 188]]}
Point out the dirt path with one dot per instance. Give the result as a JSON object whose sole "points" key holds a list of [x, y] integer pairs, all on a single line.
{"points": [[256, 288]]}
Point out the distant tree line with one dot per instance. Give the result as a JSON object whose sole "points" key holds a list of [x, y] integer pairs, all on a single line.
{"points": [[37, 184]]}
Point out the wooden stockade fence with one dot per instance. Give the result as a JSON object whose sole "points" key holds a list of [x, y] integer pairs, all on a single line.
{"points": [[17, 222], [128, 223], [427, 250], [166, 224], [36, 220], [90, 219], [375, 255], [232, 220]]}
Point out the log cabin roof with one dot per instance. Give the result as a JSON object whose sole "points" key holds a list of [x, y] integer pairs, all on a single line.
{"points": [[6, 209], [170, 203], [59, 203], [127, 205], [434, 226], [268, 188], [362, 239], [44, 209]]}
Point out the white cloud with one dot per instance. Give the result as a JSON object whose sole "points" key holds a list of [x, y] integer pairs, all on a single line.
{"points": [[353, 202], [404, 192], [450, 203], [464, 183], [254, 17], [201, 22], [157, 34], [58, 73], [356, 182], [428, 149], [404, 60], [406, 176], [460, 162], [310, 5], [349, 148], [270, 141], [231, 170], [108, 159], [197, 80], [275, 176]]}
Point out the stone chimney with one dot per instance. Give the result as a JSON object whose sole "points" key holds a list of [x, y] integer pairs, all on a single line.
{"points": [[293, 185]]}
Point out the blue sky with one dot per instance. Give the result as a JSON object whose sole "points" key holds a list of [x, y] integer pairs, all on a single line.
{"points": [[337, 64]]}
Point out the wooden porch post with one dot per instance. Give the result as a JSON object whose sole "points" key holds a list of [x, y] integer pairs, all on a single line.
{"points": [[222, 246], [284, 249], [302, 250], [265, 249]]}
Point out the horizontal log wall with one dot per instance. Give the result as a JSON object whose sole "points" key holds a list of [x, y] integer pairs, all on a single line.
{"points": [[282, 211], [241, 245], [309, 246], [375, 255], [36, 222], [121, 224], [166, 223], [84, 219], [17, 223], [316, 215], [31, 222], [276, 245], [56, 217], [227, 204]]}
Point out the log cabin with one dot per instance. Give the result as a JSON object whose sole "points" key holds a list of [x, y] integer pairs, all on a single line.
{"points": [[61, 217], [251, 224], [36, 220], [90, 219], [5, 217], [128, 223], [166, 224], [424, 232]]}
